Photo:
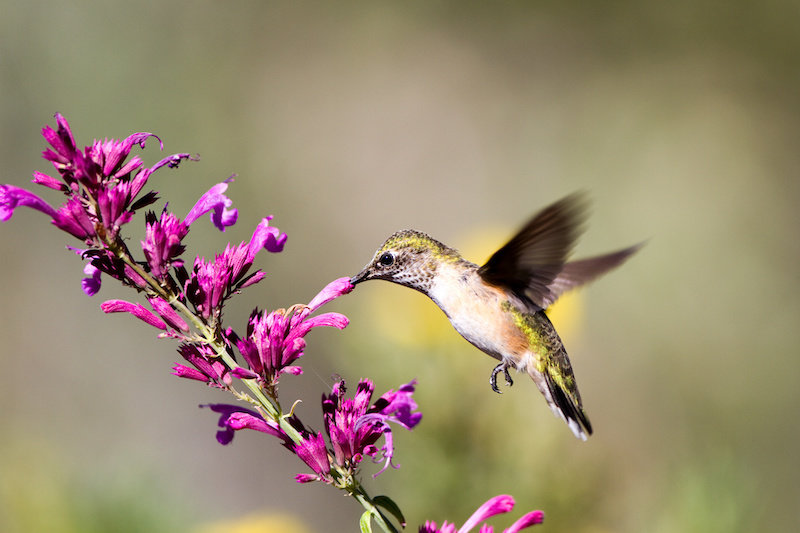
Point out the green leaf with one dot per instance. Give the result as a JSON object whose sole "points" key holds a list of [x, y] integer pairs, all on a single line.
{"points": [[366, 522], [388, 504]]}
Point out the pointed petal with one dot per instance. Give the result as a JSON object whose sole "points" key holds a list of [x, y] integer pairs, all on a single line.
{"points": [[12, 197], [528, 520], [332, 290], [496, 505], [137, 310], [215, 201]]}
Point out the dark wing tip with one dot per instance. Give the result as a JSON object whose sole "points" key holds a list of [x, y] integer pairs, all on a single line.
{"points": [[532, 259]]}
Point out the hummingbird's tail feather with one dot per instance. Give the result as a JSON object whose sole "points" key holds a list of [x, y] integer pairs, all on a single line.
{"points": [[566, 406]]}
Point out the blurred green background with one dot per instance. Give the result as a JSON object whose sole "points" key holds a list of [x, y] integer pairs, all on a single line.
{"points": [[348, 121]]}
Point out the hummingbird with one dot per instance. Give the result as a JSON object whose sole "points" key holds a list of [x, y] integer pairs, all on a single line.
{"points": [[500, 307]]}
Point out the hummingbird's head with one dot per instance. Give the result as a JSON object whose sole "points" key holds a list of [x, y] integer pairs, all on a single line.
{"points": [[409, 258]]}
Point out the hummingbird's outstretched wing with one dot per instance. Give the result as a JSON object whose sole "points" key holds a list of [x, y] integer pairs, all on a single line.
{"points": [[576, 273], [533, 264], [529, 263]]}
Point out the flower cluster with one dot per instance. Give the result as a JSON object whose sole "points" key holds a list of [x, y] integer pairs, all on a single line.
{"points": [[275, 340], [353, 427], [104, 188]]}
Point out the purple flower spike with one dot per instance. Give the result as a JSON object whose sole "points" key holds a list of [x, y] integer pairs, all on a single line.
{"points": [[12, 197], [215, 201], [137, 310], [496, 505], [103, 184]]}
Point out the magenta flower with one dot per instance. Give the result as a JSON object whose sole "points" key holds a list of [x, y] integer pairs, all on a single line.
{"points": [[162, 244], [103, 186], [97, 166], [210, 283], [167, 316], [163, 238], [137, 310], [233, 418], [12, 197], [207, 366], [102, 183], [313, 452], [91, 283], [275, 340], [496, 505], [354, 426], [217, 203]]}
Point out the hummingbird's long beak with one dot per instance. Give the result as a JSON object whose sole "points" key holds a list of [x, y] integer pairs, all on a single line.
{"points": [[361, 276]]}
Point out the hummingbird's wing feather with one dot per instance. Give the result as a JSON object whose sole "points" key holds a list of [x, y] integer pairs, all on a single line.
{"points": [[533, 258], [576, 273]]}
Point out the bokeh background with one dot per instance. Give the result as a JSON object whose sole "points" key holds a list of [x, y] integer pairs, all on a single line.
{"points": [[349, 121]]}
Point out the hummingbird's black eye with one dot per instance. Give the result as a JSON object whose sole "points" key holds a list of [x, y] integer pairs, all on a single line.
{"points": [[386, 259]]}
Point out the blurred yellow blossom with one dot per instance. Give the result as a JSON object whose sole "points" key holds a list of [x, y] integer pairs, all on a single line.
{"points": [[257, 523]]}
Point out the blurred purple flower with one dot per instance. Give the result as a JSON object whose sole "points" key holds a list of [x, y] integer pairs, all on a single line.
{"points": [[354, 426], [275, 340], [496, 505]]}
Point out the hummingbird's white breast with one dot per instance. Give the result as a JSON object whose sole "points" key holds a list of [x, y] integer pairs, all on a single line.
{"points": [[475, 311]]}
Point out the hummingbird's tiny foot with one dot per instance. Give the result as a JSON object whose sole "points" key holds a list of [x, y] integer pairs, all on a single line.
{"points": [[509, 381], [493, 378]]}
